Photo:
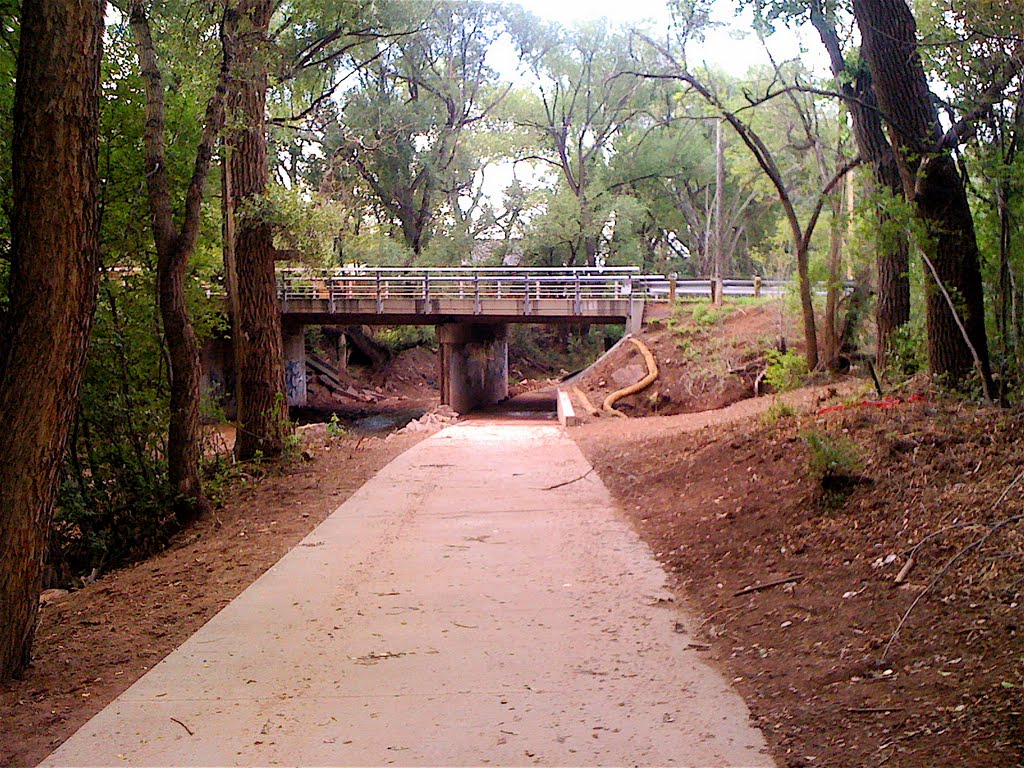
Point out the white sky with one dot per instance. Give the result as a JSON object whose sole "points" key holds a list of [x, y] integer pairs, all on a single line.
{"points": [[732, 47]]}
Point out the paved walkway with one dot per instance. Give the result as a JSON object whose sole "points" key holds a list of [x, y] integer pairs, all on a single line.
{"points": [[455, 611]]}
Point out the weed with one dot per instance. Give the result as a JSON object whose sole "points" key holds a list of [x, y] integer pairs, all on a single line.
{"points": [[830, 455], [833, 462], [705, 315], [777, 411], [335, 428]]}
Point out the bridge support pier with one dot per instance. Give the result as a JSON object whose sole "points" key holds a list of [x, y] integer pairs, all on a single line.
{"points": [[294, 337], [474, 364]]}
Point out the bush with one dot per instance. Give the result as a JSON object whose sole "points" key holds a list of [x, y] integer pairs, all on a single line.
{"points": [[786, 371], [833, 462], [830, 455]]}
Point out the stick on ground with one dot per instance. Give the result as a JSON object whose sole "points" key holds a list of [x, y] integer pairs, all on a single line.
{"points": [[769, 585]]}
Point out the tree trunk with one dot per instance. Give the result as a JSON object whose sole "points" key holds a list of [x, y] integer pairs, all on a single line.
{"points": [[892, 261], [259, 356], [174, 249], [53, 283], [831, 345], [718, 212], [932, 183]]}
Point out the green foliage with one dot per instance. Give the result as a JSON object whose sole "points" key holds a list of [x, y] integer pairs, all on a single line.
{"points": [[833, 461], [707, 315], [908, 351], [304, 225], [402, 337], [335, 428], [376, 249], [777, 411], [538, 351], [114, 502], [786, 370]]}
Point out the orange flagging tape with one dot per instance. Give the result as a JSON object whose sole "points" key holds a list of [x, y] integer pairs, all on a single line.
{"points": [[888, 402]]}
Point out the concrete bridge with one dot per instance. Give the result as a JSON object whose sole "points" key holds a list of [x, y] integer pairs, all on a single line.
{"points": [[471, 309]]}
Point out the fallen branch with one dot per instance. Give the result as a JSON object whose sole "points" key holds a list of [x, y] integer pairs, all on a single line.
{"points": [[568, 482], [873, 710], [904, 571], [769, 585], [974, 545], [993, 528], [591, 409]]}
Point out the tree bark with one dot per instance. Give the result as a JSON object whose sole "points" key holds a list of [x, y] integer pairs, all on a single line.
{"points": [[259, 356], [53, 284], [932, 184], [718, 212], [892, 260], [830, 331], [893, 248], [174, 248]]}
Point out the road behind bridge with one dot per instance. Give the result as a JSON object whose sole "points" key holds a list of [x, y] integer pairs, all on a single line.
{"points": [[480, 601]]}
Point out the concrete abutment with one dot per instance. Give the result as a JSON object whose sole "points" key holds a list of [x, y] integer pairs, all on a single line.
{"points": [[474, 364]]}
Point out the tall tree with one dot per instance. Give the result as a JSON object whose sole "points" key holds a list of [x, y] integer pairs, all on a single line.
{"points": [[249, 241], [585, 98], [892, 261], [174, 247], [402, 132], [957, 341], [800, 234], [53, 283]]}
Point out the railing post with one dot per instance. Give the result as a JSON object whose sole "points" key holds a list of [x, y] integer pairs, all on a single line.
{"points": [[527, 299], [577, 306], [757, 286], [426, 286], [477, 309], [380, 294], [672, 287]]}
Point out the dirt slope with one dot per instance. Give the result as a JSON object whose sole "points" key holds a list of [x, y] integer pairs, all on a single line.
{"points": [[731, 506], [707, 358]]}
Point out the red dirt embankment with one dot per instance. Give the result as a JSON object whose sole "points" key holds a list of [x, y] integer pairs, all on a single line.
{"points": [[734, 505]]}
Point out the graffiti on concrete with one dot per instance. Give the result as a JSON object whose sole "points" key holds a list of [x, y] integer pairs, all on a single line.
{"points": [[295, 382]]}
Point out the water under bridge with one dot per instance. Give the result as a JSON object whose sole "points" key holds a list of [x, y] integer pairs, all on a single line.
{"points": [[471, 309]]}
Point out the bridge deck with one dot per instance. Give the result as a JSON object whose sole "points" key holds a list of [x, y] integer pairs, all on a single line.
{"points": [[430, 296]]}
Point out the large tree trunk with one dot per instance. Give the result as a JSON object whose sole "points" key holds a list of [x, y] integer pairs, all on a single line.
{"points": [[932, 183], [717, 230], [174, 249], [259, 356], [53, 283], [892, 261]]}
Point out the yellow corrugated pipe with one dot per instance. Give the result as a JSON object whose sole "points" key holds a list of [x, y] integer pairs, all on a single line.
{"points": [[646, 381]]}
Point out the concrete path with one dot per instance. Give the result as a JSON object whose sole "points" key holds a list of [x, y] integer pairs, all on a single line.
{"points": [[452, 612]]}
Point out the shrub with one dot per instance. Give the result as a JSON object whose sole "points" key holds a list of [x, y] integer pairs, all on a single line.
{"points": [[833, 463], [786, 370]]}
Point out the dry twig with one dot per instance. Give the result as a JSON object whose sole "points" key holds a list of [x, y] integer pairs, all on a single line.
{"points": [[568, 482], [769, 585]]}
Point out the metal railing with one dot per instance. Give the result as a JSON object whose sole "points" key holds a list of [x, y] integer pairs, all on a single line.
{"points": [[482, 284], [429, 283]]}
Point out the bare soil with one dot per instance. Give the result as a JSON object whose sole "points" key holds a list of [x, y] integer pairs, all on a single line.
{"points": [[732, 506], [93, 643]]}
